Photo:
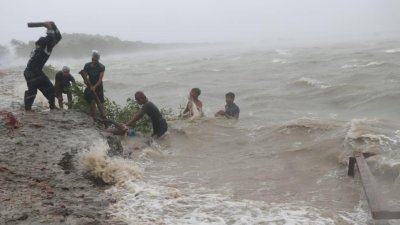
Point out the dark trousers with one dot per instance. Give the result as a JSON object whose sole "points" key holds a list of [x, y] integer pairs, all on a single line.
{"points": [[35, 81], [159, 128], [89, 97]]}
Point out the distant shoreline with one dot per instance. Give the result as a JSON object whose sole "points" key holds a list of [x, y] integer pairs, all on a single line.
{"points": [[80, 45]]}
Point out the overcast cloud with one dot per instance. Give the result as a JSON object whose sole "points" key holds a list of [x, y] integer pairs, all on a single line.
{"points": [[205, 20]]}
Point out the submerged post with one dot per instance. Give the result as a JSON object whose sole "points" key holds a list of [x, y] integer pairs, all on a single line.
{"points": [[352, 165]]}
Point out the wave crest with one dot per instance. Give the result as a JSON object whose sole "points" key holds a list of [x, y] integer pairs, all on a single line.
{"points": [[309, 124], [312, 82]]}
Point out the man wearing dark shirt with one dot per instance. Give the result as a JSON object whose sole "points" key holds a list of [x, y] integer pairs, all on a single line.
{"points": [[231, 109], [34, 75], [159, 124], [95, 70], [63, 85]]}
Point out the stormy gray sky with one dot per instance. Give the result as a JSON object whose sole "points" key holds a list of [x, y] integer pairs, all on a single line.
{"points": [[206, 20]]}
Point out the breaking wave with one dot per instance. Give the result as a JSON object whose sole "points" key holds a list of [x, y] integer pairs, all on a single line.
{"points": [[353, 66], [142, 203]]}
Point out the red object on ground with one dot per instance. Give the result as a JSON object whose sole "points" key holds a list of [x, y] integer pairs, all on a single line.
{"points": [[10, 120]]}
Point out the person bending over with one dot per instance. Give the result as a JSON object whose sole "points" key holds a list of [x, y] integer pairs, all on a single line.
{"points": [[159, 124], [63, 85]]}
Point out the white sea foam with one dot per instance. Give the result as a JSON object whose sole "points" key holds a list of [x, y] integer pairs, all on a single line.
{"points": [[282, 61], [312, 82], [284, 52], [369, 64], [395, 50], [144, 203]]}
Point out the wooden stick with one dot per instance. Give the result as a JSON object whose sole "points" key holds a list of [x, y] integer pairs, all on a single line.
{"points": [[99, 104], [36, 24], [96, 98]]}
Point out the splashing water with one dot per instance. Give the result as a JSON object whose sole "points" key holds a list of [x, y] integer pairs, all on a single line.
{"points": [[196, 114], [110, 170]]}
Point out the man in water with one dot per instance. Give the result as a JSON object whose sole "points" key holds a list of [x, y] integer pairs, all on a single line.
{"points": [[159, 124], [231, 109], [95, 70], [63, 85], [193, 101], [34, 75]]}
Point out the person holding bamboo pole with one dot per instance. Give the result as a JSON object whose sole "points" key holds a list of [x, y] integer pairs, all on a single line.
{"points": [[95, 70]]}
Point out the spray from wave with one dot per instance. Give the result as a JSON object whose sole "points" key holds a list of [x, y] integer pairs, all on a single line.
{"points": [[196, 113], [98, 164]]}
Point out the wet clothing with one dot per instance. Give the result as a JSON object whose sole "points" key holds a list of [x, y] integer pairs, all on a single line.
{"points": [[189, 107], [34, 82], [34, 76], [94, 72], [232, 111], [63, 85], [159, 124]]}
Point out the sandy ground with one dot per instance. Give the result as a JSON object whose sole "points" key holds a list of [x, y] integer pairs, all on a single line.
{"points": [[40, 179]]}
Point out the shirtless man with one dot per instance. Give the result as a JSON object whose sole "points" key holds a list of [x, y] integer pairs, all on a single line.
{"points": [[193, 100]]}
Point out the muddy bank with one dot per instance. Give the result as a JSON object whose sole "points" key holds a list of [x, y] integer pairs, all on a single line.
{"points": [[40, 178]]}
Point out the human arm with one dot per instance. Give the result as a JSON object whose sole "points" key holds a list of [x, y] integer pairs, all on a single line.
{"points": [[72, 79], [53, 35], [135, 118], [94, 87], [220, 113], [186, 109], [86, 71]]}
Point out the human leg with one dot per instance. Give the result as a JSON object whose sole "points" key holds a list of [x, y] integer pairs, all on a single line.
{"points": [[69, 96], [46, 87], [93, 109], [30, 94], [60, 101]]}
